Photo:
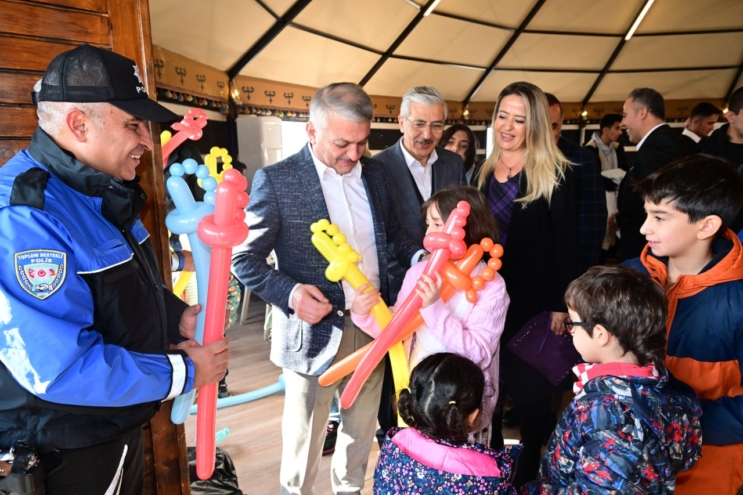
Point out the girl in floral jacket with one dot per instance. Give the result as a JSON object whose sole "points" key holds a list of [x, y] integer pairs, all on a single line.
{"points": [[442, 405], [631, 426]]}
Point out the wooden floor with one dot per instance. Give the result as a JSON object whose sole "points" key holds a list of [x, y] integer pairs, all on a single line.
{"points": [[254, 442]]}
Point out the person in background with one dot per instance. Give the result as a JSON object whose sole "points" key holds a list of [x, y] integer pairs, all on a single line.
{"points": [[605, 143], [644, 117], [460, 139], [610, 152], [727, 142], [531, 191], [85, 359], [632, 426], [700, 124], [592, 213], [693, 254], [442, 407]]}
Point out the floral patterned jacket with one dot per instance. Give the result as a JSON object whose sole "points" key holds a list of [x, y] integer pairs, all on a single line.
{"points": [[622, 435], [415, 464]]}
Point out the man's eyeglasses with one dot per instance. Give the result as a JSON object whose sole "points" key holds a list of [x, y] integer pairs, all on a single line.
{"points": [[570, 324], [420, 125]]}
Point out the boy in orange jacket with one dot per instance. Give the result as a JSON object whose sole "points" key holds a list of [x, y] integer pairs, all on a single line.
{"points": [[699, 260]]}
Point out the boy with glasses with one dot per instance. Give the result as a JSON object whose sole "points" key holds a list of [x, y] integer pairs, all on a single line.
{"points": [[631, 426], [693, 254]]}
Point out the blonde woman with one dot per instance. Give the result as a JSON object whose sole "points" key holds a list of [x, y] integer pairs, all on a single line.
{"points": [[530, 189]]}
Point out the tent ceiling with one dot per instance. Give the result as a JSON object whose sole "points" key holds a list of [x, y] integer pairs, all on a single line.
{"points": [[565, 47]]}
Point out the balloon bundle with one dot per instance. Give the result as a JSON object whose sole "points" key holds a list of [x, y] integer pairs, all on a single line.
{"points": [[333, 246], [445, 247], [214, 226]]}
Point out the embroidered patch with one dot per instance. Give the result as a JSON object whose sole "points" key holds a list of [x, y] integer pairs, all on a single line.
{"points": [[41, 272]]}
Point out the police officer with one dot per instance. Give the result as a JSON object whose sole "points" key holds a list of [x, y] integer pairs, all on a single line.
{"points": [[85, 324]]}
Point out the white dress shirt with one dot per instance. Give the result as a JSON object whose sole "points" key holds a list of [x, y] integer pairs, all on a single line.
{"points": [[693, 136], [646, 136], [349, 209], [423, 176]]}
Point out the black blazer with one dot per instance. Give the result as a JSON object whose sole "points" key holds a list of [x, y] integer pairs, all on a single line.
{"points": [[447, 171], [539, 261], [661, 147]]}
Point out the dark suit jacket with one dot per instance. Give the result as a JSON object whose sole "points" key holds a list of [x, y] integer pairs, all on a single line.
{"points": [[447, 171], [592, 213], [661, 147], [286, 198], [539, 261]]}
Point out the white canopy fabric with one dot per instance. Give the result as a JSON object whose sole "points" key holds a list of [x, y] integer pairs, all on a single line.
{"points": [[468, 49]]}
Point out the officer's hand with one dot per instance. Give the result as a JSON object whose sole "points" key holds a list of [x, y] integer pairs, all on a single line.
{"points": [[310, 304], [187, 325], [210, 360]]}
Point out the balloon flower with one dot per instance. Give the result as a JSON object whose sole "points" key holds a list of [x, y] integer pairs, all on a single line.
{"points": [[210, 161], [184, 219], [222, 231], [456, 277], [191, 127], [333, 246], [445, 245]]}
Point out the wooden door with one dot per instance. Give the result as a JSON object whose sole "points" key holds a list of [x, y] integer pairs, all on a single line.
{"points": [[32, 32]]}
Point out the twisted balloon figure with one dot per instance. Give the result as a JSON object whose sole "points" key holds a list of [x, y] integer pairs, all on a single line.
{"points": [[191, 127], [184, 219], [343, 261], [442, 246], [222, 231], [456, 277]]}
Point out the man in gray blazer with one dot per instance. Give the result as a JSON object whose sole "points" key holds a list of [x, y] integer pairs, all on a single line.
{"points": [[312, 328], [417, 166]]}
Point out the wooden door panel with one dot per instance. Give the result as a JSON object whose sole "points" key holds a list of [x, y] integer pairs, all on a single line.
{"points": [[29, 54], [50, 22], [16, 87]]}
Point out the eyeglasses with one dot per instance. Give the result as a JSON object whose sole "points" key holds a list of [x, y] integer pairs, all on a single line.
{"points": [[570, 324], [419, 125]]}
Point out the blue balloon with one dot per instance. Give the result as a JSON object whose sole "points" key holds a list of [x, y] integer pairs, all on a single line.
{"points": [[176, 169], [190, 165], [185, 220]]}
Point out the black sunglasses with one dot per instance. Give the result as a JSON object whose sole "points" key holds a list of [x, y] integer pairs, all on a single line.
{"points": [[570, 324]]}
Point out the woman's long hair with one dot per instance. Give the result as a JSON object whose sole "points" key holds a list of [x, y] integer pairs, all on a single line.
{"points": [[544, 165]]}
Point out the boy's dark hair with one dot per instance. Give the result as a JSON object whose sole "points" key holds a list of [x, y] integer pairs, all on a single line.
{"points": [[735, 104], [445, 389], [609, 120], [471, 155], [698, 185], [650, 99], [480, 222], [704, 109], [628, 304]]}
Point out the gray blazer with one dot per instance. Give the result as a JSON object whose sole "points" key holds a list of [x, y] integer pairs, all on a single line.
{"points": [[448, 171], [286, 198]]}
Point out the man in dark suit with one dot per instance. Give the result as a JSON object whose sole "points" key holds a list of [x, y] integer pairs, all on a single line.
{"points": [[590, 188], [701, 123], [312, 328], [417, 166], [643, 116]]}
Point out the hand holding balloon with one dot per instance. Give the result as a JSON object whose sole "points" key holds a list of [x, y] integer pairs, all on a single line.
{"points": [[223, 230]]}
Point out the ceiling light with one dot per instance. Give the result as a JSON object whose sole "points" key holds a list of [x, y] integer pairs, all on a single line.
{"points": [[639, 20], [725, 110], [584, 113], [430, 9]]}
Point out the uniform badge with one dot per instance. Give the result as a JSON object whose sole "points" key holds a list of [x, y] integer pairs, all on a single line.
{"points": [[41, 272]]}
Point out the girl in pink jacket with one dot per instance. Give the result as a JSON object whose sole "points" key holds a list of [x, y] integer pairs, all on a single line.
{"points": [[457, 326]]}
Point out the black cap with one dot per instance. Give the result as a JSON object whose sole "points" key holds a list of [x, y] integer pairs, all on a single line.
{"points": [[88, 74]]}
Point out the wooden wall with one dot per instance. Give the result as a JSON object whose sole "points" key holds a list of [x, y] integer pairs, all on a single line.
{"points": [[32, 32]]}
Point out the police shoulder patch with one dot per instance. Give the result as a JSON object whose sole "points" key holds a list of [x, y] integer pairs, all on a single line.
{"points": [[41, 272]]}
